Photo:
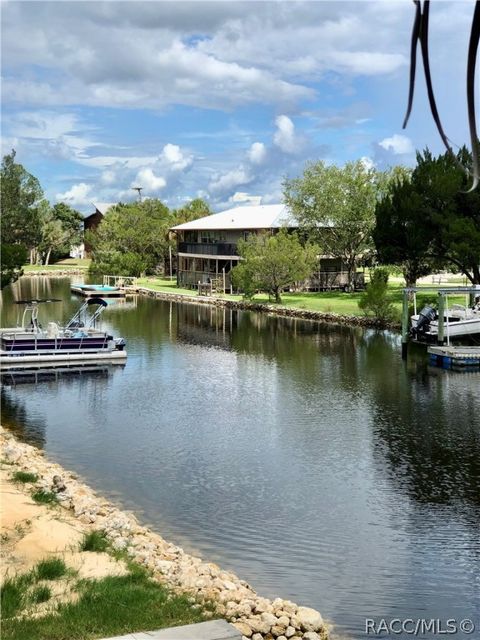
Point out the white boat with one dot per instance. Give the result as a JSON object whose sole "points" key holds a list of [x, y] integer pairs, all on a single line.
{"points": [[458, 321], [29, 345]]}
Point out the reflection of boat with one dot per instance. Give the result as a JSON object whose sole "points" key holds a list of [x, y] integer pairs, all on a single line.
{"points": [[78, 342], [14, 377], [458, 321], [93, 290]]}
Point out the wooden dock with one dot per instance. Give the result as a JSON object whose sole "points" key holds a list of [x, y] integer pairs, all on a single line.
{"points": [[455, 356]]}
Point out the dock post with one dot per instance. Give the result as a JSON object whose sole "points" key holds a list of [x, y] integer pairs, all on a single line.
{"points": [[441, 318], [405, 324]]}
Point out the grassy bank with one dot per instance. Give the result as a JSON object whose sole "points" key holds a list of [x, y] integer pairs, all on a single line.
{"points": [[337, 302], [73, 264], [111, 606], [62, 579]]}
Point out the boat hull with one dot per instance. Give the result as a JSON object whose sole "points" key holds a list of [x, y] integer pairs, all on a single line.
{"points": [[10, 361]]}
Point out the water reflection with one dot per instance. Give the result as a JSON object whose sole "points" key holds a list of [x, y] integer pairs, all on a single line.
{"points": [[307, 457]]}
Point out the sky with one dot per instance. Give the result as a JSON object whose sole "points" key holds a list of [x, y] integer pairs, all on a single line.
{"points": [[220, 100]]}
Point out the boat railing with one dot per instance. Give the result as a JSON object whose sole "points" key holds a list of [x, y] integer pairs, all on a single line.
{"points": [[119, 281]]}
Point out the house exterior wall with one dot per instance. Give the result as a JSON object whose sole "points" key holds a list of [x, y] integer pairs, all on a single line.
{"points": [[206, 256]]}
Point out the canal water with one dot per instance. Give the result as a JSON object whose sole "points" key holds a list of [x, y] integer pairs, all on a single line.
{"points": [[306, 457]]}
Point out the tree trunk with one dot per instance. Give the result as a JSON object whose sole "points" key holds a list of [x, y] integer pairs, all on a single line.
{"points": [[47, 259], [351, 269]]}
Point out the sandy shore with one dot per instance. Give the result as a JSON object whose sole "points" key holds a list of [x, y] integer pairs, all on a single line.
{"points": [[32, 532]]}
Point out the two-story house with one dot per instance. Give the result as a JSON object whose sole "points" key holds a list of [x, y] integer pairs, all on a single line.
{"points": [[207, 247]]}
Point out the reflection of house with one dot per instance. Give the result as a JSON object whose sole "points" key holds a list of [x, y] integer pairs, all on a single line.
{"points": [[91, 222], [208, 246]]}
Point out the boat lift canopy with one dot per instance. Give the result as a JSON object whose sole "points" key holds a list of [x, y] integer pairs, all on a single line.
{"points": [[442, 305]]}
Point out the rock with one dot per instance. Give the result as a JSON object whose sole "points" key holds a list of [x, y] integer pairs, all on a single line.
{"points": [[244, 629], [284, 621], [309, 619], [258, 625], [290, 632], [278, 630], [311, 635], [231, 586], [269, 618], [119, 544], [281, 638], [58, 485], [257, 636], [289, 607]]}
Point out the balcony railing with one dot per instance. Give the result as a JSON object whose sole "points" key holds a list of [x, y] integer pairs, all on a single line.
{"points": [[208, 249]]}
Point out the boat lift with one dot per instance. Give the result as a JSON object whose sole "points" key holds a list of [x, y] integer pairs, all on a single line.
{"points": [[443, 335]]}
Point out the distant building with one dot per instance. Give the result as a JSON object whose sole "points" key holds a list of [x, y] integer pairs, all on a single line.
{"points": [[208, 246], [91, 222]]}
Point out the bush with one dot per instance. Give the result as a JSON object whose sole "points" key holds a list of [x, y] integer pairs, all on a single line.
{"points": [[375, 300]]}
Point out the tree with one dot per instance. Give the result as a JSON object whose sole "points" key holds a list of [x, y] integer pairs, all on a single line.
{"points": [[20, 197], [403, 234], [337, 205], [453, 210], [132, 238], [196, 208], [13, 258], [273, 262], [431, 221]]}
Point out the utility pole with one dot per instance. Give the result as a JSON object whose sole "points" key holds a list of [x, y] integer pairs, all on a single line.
{"points": [[139, 189]]}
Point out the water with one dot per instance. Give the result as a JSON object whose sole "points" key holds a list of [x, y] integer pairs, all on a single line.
{"points": [[308, 458]]}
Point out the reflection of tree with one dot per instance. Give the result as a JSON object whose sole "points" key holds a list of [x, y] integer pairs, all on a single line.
{"points": [[427, 427], [16, 419]]}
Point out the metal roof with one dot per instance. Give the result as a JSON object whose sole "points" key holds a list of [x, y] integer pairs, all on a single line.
{"points": [[103, 207], [265, 216]]}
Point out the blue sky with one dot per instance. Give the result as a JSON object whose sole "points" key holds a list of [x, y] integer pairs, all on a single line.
{"points": [[218, 99]]}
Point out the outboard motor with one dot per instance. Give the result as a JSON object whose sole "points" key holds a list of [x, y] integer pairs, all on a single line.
{"points": [[425, 317]]}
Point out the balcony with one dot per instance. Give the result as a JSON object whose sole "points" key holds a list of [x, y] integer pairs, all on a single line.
{"points": [[208, 249]]}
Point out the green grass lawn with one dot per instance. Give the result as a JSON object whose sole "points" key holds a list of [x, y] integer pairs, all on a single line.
{"points": [[324, 301], [107, 607], [61, 265]]}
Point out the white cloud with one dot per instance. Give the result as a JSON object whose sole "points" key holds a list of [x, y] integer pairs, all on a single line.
{"points": [[78, 195], [367, 162], [257, 153], [175, 158], [398, 144], [228, 181], [284, 137], [149, 181], [243, 198], [108, 177]]}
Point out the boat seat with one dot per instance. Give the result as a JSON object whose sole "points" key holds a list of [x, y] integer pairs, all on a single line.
{"points": [[53, 330]]}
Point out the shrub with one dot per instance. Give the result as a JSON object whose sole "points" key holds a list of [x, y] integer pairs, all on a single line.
{"points": [[24, 476], [94, 541], [51, 569], [375, 298]]}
